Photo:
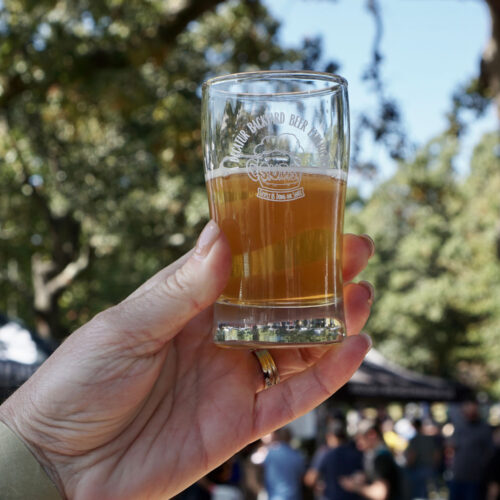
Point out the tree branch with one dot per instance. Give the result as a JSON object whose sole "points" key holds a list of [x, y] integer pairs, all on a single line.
{"points": [[386, 127], [46, 289], [69, 273], [373, 71], [177, 23], [489, 75]]}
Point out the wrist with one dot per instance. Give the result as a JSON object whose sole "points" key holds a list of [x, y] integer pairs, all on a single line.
{"points": [[13, 420]]}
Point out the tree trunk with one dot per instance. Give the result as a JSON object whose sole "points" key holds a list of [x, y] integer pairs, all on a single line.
{"points": [[48, 285], [489, 78]]}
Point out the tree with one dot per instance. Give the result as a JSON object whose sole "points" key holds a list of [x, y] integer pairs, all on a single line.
{"points": [[477, 251], [437, 269], [101, 180], [436, 260]]}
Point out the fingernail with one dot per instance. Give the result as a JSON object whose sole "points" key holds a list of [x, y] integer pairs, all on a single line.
{"points": [[206, 239], [368, 286], [368, 339], [371, 244]]}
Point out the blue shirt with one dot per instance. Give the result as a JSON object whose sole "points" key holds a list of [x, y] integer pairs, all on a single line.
{"points": [[283, 471]]}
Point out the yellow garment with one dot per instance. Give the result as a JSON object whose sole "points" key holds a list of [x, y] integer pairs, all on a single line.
{"points": [[395, 442], [21, 476]]}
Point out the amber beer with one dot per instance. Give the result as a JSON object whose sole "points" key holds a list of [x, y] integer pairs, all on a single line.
{"points": [[276, 152], [284, 253]]}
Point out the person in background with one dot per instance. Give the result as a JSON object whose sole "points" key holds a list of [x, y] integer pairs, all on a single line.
{"points": [[222, 483], [422, 459], [311, 478], [342, 459], [397, 444], [435, 430], [284, 468], [493, 469], [382, 479], [472, 445]]}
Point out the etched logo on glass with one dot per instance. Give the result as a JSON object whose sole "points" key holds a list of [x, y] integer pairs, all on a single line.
{"points": [[276, 170], [276, 166]]}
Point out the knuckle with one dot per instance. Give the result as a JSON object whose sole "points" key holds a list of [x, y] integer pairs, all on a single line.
{"points": [[288, 400], [179, 287], [105, 320], [117, 331]]}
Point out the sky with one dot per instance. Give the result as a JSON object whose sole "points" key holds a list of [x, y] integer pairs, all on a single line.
{"points": [[430, 47]]}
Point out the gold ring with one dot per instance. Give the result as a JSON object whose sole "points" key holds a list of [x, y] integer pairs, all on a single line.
{"points": [[269, 368]]}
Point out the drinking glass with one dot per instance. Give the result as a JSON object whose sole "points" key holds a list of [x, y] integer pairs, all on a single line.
{"points": [[276, 153]]}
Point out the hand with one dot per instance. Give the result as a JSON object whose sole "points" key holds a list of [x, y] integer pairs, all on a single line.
{"points": [[348, 483], [354, 482], [139, 403]]}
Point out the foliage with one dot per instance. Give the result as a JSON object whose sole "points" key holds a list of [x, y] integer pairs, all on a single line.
{"points": [[437, 267], [101, 182]]}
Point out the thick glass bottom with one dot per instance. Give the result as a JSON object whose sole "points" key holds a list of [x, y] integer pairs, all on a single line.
{"points": [[248, 326]]}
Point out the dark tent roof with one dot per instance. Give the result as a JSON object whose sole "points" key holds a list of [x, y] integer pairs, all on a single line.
{"points": [[379, 379]]}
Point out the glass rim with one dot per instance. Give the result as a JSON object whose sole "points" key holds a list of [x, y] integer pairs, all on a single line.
{"points": [[337, 82]]}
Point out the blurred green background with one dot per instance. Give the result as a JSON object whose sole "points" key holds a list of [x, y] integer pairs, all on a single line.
{"points": [[101, 178]]}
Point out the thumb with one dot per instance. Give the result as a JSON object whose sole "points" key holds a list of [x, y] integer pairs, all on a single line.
{"points": [[176, 294]]}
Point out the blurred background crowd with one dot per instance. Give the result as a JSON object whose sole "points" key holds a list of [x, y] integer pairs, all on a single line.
{"points": [[367, 454]]}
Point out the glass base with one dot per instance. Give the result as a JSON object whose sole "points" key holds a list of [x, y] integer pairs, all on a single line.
{"points": [[253, 326]]}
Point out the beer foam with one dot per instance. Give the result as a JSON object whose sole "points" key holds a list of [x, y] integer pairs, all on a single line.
{"points": [[334, 173]]}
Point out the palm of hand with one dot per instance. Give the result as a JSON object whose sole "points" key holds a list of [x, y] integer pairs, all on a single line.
{"points": [[172, 413], [174, 417]]}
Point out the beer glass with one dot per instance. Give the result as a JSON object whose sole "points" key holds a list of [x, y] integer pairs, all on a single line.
{"points": [[276, 152]]}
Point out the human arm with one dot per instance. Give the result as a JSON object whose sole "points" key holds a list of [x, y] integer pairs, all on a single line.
{"points": [[378, 490], [313, 472], [410, 454], [139, 402], [493, 491], [384, 483], [311, 477]]}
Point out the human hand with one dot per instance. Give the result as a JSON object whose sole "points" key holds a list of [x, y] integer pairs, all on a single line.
{"points": [[354, 482], [139, 402], [348, 483]]}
